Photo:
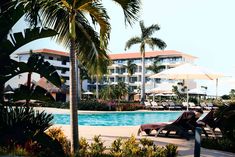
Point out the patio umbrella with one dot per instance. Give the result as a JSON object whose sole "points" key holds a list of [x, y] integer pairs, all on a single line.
{"points": [[188, 72], [88, 93]]}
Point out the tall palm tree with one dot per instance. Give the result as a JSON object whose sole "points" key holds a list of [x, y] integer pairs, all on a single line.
{"points": [[155, 67], [130, 71], [143, 40], [68, 18]]}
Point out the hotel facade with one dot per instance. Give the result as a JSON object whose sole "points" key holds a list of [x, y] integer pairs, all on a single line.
{"points": [[117, 71]]}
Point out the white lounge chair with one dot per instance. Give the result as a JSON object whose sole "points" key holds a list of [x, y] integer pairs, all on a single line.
{"points": [[147, 104], [173, 106], [193, 106], [156, 106]]}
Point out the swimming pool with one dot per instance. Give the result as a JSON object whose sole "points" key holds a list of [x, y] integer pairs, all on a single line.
{"points": [[118, 118]]}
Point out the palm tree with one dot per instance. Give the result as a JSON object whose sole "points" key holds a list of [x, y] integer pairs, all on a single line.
{"points": [[155, 67], [130, 70], [99, 70], [145, 38], [68, 18]]}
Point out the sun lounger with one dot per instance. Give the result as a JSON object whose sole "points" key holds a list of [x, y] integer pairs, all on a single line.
{"points": [[156, 106], [208, 124], [181, 126], [213, 121], [172, 106], [147, 104], [193, 106]]}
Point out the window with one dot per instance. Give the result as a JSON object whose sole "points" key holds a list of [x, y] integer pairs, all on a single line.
{"points": [[51, 58], [64, 62], [63, 71]]}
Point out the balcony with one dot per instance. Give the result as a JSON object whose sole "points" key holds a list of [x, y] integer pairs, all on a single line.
{"points": [[65, 74], [58, 63]]}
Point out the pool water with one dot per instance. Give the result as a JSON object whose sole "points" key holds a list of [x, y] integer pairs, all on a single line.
{"points": [[118, 119]]}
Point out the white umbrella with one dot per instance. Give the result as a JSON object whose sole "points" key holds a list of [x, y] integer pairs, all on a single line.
{"points": [[9, 92], [188, 72], [197, 91], [88, 93], [162, 88]]}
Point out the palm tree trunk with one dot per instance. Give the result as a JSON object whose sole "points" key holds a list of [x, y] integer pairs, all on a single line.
{"points": [[79, 95], [2, 85], [143, 79], [29, 85], [97, 88], [73, 98]]}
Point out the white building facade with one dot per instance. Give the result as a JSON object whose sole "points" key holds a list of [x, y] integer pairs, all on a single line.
{"points": [[117, 71]]}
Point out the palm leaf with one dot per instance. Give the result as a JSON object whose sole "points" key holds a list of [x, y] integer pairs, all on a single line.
{"points": [[19, 39], [130, 8], [8, 17], [132, 41], [35, 64], [35, 93]]}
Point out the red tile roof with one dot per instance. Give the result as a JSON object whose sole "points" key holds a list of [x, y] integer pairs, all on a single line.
{"points": [[150, 54], [54, 52], [125, 55]]}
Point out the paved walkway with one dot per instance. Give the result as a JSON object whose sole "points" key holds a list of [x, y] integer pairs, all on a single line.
{"points": [[110, 133]]}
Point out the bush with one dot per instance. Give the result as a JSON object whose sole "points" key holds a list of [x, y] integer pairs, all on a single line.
{"points": [[97, 148], [23, 128], [83, 148], [58, 134], [93, 105], [56, 104], [171, 150], [126, 148], [223, 144]]}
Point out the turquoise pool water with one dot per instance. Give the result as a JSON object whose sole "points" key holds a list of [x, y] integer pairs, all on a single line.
{"points": [[118, 119]]}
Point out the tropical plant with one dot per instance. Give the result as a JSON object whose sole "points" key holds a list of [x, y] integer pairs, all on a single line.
{"points": [[11, 12], [99, 68], [143, 40], [130, 67], [155, 67], [120, 90], [74, 31], [58, 134], [24, 127]]}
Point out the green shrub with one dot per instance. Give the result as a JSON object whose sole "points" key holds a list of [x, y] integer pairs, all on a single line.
{"points": [[19, 151], [116, 150], [171, 150], [131, 107], [83, 148], [148, 148], [125, 148], [130, 147], [24, 128], [93, 105], [56, 104], [97, 148], [224, 144], [58, 134]]}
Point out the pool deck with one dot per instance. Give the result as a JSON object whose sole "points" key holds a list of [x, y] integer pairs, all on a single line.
{"points": [[110, 133]]}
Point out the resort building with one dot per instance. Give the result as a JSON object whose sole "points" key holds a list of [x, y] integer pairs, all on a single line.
{"points": [[118, 70]]}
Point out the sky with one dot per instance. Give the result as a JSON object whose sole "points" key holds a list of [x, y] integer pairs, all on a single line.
{"points": [[202, 28]]}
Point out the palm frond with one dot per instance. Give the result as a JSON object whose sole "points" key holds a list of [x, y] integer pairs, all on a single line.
{"points": [[130, 8], [150, 30], [9, 15], [100, 16], [52, 12], [142, 27], [159, 43], [132, 41], [32, 8]]}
